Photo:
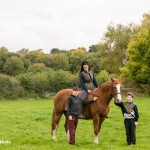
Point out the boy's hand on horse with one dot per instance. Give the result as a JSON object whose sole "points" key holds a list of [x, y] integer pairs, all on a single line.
{"points": [[70, 117]]}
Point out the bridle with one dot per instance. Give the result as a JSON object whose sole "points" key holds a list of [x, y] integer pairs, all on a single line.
{"points": [[113, 92]]}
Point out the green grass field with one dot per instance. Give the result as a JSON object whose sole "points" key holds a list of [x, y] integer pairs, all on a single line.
{"points": [[26, 124]]}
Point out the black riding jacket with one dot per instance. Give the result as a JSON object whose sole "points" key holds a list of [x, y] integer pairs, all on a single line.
{"points": [[74, 105]]}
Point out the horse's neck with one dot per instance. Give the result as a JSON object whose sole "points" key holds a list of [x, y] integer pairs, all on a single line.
{"points": [[105, 92]]}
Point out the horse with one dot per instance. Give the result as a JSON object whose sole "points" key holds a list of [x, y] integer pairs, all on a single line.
{"points": [[96, 111]]}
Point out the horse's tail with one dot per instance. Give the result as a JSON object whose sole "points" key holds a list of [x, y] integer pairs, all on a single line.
{"points": [[53, 116]]}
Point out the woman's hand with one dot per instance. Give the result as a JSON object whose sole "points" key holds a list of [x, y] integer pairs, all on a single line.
{"points": [[89, 91], [136, 123], [95, 98]]}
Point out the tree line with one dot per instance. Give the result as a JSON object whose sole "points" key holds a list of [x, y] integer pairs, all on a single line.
{"points": [[124, 52]]}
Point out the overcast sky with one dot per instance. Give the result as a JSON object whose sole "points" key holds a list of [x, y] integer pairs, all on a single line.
{"points": [[63, 24]]}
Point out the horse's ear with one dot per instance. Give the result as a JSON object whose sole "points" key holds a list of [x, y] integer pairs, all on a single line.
{"points": [[111, 79], [119, 79]]}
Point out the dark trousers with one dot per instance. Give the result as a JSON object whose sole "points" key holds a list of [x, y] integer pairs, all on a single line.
{"points": [[130, 131], [72, 128]]}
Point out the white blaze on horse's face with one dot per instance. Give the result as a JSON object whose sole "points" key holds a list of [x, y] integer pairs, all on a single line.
{"points": [[118, 95]]}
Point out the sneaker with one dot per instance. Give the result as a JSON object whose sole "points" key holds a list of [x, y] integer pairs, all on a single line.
{"points": [[133, 143]]}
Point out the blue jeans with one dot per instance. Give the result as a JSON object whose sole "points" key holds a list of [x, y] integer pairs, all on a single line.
{"points": [[84, 94]]}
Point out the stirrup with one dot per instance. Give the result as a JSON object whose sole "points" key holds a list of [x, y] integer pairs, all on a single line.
{"points": [[81, 116]]}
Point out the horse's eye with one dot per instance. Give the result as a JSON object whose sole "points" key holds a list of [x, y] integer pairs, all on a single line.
{"points": [[114, 86]]}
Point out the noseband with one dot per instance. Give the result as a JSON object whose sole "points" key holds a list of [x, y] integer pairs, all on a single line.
{"points": [[113, 92]]}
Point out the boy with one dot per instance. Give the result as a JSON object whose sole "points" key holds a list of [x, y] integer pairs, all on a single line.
{"points": [[74, 109], [131, 115]]}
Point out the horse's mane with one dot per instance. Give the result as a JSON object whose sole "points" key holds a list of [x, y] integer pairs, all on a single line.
{"points": [[105, 85]]}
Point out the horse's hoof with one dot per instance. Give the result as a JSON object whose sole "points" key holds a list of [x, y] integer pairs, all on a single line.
{"points": [[96, 139], [95, 142], [54, 138]]}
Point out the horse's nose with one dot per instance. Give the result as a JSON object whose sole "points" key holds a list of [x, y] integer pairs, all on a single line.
{"points": [[119, 98], [117, 101]]}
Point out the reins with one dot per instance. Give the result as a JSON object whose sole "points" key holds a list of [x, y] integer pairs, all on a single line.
{"points": [[113, 92], [94, 94]]}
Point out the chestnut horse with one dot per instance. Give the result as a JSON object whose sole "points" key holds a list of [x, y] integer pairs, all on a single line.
{"points": [[96, 111]]}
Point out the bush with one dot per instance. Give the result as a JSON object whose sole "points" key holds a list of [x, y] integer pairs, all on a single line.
{"points": [[10, 87], [34, 82], [44, 83], [37, 67], [60, 80], [103, 76]]}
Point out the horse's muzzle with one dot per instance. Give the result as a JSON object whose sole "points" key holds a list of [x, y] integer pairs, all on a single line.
{"points": [[117, 100]]}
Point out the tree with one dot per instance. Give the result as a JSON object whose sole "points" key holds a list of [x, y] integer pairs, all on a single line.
{"points": [[76, 56], [10, 88], [93, 48], [38, 56], [59, 61], [33, 55], [23, 52], [3, 51], [94, 61], [54, 51], [37, 67], [103, 76], [146, 21], [27, 63], [14, 66], [4, 55], [43, 58], [138, 52], [114, 44]]}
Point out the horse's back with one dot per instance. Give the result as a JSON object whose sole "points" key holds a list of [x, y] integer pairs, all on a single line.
{"points": [[60, 99], [61, 94]]}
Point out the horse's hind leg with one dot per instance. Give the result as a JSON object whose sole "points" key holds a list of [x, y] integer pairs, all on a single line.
{"points": [[66, 125], [55, 122]]}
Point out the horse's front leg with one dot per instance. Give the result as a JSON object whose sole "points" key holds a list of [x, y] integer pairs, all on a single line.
{"points": [[96, 128]]}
